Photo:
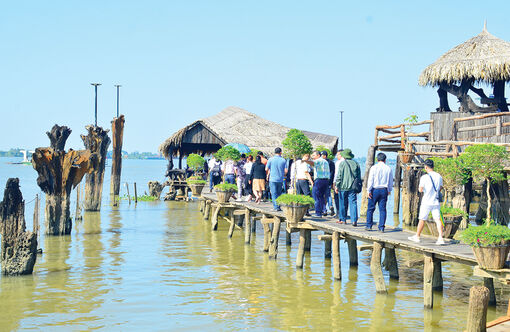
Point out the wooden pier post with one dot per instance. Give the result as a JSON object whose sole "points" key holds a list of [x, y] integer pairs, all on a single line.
{"points": [[117, 137], [396, 186], [352, 245], [327, 248], [136, 194], [376, 268], [364, 195], [428, 276], [308, 240], [489, 283], [97, 142], [411, 196], [390, 258], [267, 233], [77, 213], [127, 189], [301, 249], [337, 263], [273, 249], [437, 277], [207, 209], [19, 247], [232, 222], [59, 172], [36, 217], [477, 311], [247, 226], [214, 219], [288, 238]]}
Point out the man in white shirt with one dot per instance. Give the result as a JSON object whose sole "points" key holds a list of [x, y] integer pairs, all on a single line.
{"points": [[339, 160], [430, 185], [380, 182]]}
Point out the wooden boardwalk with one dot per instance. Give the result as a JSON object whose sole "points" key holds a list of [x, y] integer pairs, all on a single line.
{"points": [[389, 241]]}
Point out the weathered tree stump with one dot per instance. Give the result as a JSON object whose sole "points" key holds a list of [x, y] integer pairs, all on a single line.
{"points": [[410, 195], [19, 247], [59, 172], [97, 142], [156, 188], [117, 136]]}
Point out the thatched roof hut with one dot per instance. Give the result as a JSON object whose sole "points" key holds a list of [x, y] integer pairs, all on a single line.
{"points": [[483, 58], [234, 125]]}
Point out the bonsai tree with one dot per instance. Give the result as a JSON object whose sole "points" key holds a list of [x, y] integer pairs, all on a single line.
{"points": [[296, 144], [486, 162], [323, 148], [195, 162], [454, 174], [291, 199], [228, 152], [226, 187]]}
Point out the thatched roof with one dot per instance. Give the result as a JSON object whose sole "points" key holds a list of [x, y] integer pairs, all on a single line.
{"points": [[235, 125], [484, 58]]}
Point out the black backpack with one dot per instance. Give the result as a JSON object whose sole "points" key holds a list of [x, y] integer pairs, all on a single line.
{"points": [[216, 170]]}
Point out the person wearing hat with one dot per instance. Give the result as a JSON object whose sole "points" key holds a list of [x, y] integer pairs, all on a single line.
{"points": [[380, 182], [348, 172]]}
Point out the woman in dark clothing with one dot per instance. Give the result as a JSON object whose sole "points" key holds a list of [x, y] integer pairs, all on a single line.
{"points": [[258, 179]]}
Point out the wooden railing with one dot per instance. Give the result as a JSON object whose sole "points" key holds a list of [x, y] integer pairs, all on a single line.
{"points": [[399, 135], [498, 124]]}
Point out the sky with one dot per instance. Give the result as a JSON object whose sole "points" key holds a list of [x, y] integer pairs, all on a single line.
{"points": [[298, 63]]}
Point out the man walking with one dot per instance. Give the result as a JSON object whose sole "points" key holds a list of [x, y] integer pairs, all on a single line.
{"points": [[320, 186], [380, 182], [348, 172], [276, 169], [327, 196], [430, 185]]}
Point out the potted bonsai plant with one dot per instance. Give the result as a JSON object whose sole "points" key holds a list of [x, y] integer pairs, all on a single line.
{"points": [[454, 174], [490, 244], [196, 182], [294, 206], [224, 191]]}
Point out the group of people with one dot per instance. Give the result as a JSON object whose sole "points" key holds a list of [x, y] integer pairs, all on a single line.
{"points": [[331, 184]]}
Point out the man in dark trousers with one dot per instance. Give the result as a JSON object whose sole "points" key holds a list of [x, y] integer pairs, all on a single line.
{"points": [[380, 182], [327, 198]]}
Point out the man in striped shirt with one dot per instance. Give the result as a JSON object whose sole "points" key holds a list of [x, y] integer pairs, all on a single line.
{"points": [[380, 182]]}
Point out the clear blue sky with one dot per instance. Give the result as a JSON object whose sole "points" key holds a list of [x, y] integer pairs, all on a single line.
{"points": [[294, 62]]}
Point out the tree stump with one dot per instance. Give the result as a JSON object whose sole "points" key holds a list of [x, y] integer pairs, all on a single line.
{"points": [[97, 142], [59, 172], [410, 195], [156, 188], [19, 247], [117, 136]]}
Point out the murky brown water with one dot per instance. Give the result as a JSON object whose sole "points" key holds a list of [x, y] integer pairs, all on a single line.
{"points": [[158, 266]]}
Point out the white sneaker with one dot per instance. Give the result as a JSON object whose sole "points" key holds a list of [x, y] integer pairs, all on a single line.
{"points": [[414, 238], [440, 241]]}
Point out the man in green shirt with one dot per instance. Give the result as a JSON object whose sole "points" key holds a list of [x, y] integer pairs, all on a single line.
{"points": [[348, 171]]}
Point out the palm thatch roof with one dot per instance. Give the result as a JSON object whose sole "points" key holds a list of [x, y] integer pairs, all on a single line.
{"points": [[483, 58], [235, 125]]}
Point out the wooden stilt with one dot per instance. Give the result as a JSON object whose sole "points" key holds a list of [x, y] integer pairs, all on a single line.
{"points": [[267, 236], [207, 210], [36, 217], [337, 264], [247, 226], [273, 249], [308, 240], [288, 239], [136, 194], [353, 251], [477, 312], [327, 248], [396, 186], [376, 268], [117, 136], [77, 213], [254, 226], [428, 274], [391, 262], [127, 189], [214, 221], [232, 223], [489, 283], [301, 249], [437, 277], [364, 195]]}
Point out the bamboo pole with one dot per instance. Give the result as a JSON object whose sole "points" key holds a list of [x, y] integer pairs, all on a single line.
{"points": [[129, 197], [136, 195]]}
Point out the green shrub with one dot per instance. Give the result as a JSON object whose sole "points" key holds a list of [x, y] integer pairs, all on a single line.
{"points": [[321, 148], [449, 211], [296, 144], [225, 187], [228, 152], [485, 235], [196, 181], [195, 162], [291, 199]]}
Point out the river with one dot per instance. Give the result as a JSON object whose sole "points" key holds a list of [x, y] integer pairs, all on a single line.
{"points": [[158, 266]]}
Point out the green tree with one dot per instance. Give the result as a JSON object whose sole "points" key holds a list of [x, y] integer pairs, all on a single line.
{"points": [[195, 162], [486, 162], [296, 144], [228, 152], [453, 172]]}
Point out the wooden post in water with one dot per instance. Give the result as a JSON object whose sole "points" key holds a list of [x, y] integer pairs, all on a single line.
{"points": [[36, 217], [428, 276], [77, 213], [267, 233], [391, 262], [232, 223], [337, 264], [19, 247], [58, 173], [214, 219], [396, 186], [129, 197], [273, 249], [247, 226], [327, 248], [352, 245], [376, 268], [207, 209], [308, 240], [364, 195], [288, 238], [411, 196], [97, 142], [489, 283], [437, 277], [136, 194], [117, 137], [301, 249], [477, 311]]}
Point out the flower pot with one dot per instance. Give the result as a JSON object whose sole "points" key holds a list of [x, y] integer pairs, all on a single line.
{"points": [[196, 188], [451, 225], [224, 196], [406, 157], [294, 213], [491, 257]]}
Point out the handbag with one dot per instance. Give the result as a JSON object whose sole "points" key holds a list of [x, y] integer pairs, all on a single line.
{"points": [[439, 195], [357, 185]]}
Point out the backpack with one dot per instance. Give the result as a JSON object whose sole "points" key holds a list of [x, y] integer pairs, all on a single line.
{"points": [[216, 170], [357, 184]]}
